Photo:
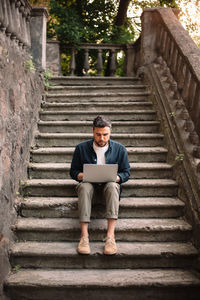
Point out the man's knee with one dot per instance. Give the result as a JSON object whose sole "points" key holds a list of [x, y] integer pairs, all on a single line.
{"points": [[84, 187], [112, 186]]}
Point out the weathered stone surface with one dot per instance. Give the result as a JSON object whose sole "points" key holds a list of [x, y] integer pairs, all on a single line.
{"points": [[126, 96], [132, 188], [53, 61], [72, 139], [35, 229], [151, 284], [75, 106], [137, 170], [21, 94], [102, 89], [38, 19], [150, 230], [91, 81], [64, 154], [177, 139], [60, 255], [54, 207], [117, 115], [117, 126]]}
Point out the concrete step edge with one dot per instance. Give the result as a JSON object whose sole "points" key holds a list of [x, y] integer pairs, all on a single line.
{"points": [[123, 225], [93, 87], [129, 150], [148, 202], [81, 278], [140, 250], [95, 78], [69, 182], [103, 94], [92, 112], [121, 104], [88, 135], [89, 123], [66, 166]]}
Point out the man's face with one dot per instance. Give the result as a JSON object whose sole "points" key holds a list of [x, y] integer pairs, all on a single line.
{"points": [[101, 136]]}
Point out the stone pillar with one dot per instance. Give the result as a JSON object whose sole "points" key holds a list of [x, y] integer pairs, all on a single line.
{"points": [[129, 60], [150, 29], [38, 21], [53, 62]]}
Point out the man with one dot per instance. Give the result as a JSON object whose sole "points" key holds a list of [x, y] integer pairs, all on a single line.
{"points": [[99, 150]]}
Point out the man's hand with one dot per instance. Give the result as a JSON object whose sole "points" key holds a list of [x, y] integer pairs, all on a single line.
{"points": [[118, 179], [80, 176]]}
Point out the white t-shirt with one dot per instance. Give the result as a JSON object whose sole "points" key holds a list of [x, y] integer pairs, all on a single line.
{"points": [[100, 152]]}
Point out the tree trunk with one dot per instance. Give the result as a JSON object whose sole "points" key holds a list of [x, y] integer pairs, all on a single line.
{"points": [[122, 12]]}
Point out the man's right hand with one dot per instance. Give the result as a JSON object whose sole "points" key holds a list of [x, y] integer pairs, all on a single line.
{"points": [[80, 176]]}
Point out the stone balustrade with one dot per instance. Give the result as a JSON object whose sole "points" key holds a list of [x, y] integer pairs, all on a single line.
{"points": [[15, 20], [168, 60], [112, 49], [183, 63], [165, 41]]}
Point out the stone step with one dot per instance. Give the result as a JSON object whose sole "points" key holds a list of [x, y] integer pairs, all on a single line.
{"points": [[84, 115], [93, 97], [63, 255], [140, 284], [72, 139], [82, 89], [132, 188], [94, 81], [96, 106], [63, 154], [86, 126], [129, 230], [61, 170], [55, 207]]}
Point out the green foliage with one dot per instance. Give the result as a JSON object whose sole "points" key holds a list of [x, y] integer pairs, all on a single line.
{"points": [[93, 21], [172, 115], [30, 64], [81, 21], [65, 23], [179, 157], [16, 268], [65, 62], [47, 76], [155, 3]]}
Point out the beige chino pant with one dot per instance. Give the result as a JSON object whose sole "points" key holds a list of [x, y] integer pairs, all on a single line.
{"points": [[87, 192]]}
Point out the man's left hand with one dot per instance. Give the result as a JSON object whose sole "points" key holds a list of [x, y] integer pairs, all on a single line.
{"points": [[118, 179]]}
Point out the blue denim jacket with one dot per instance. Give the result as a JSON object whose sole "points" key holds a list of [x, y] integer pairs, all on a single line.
{"points": [[85, 154]]}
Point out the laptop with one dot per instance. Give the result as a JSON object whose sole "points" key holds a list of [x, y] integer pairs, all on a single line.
{"points": [[100, 173]]}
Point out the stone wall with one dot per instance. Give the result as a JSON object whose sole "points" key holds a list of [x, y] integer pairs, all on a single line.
{"points": [[21, 90]]}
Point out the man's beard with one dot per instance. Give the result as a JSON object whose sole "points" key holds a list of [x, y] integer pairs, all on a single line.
{"points": [[101, 143]]}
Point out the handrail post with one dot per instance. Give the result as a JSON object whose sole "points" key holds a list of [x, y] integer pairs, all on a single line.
{"points": [[130, 57], [99, 62], [72, 62], [38, 36], [112, 63], [4, 19], [86, 61]]}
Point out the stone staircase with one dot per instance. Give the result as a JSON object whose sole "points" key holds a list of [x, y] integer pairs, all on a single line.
{"points": [[156, 259]]}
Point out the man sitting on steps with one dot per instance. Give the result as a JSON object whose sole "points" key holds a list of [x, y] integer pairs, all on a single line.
{"points": [[99, 150]]}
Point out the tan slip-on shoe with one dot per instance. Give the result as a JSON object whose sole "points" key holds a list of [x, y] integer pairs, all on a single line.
{"points": [[84, 246], [110, 246]]}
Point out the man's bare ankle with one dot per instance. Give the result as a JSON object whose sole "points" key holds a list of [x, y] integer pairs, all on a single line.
{"points": [[85, 236], [112, 236]]}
